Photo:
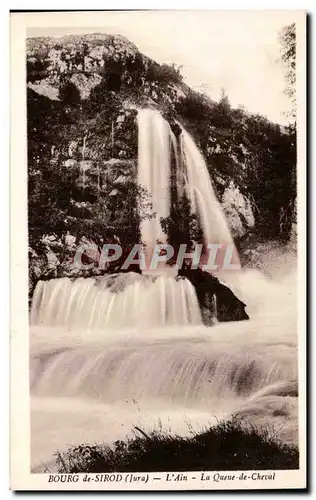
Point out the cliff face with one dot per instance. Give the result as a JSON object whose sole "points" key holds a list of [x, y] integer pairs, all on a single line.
{"points": [[83, 92]]}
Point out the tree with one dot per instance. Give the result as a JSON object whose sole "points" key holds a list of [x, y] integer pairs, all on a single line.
{"points": [[288, 56], [224, 101], [182, 226]]}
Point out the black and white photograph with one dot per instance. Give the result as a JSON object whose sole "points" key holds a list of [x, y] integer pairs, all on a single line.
{"points": [[163, 214]]}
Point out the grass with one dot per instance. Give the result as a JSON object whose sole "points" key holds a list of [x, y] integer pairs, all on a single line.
{"points": [[226, 446]]}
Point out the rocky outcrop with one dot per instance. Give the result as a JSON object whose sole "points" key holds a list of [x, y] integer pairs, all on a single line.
{"points": [[217, 301], [238, 210]]}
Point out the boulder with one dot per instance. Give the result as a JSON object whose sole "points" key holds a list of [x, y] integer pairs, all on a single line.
{"points": [[214, 297]]}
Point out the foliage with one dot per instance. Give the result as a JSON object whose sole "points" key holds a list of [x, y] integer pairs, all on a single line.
{"points": [[193, 106], [163, 73], [288, 55], [227, 446], [60, 202], [68, 93], [182, 226]]}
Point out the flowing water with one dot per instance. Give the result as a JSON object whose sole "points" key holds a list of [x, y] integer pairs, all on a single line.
{"points": [[154, 136], [156, 142], [93, 384], [111, 353], [116, 301]]}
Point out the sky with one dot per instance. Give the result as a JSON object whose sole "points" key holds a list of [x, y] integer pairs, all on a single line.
{"points": [[238, 51]]}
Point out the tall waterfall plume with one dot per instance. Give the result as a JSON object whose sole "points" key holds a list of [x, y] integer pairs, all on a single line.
{"points": [[156, 142], [154, 171]]}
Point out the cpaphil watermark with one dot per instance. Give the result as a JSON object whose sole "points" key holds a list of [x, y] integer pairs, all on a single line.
{"points": [[210, 257]]}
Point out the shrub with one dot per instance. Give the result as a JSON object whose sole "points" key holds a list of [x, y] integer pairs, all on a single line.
{"points": [[69, 94], [227, 446], [163, 74]]}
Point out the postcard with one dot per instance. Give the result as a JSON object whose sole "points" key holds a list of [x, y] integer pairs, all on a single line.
{"points": [[158, 235]]}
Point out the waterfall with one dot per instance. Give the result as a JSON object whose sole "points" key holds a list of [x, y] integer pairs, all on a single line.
{"points": [[155, 143], [115, 301], [154, 171], [193, 371], [201, 193], [92, 303]]}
